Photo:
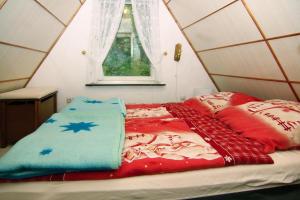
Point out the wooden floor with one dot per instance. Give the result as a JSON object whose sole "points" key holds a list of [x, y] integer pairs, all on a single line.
{"points": [[291, 192], [4, 150]]}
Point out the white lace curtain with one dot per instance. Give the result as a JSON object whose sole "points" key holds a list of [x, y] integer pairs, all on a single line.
{"points": [[145, 14], [107, 16]]}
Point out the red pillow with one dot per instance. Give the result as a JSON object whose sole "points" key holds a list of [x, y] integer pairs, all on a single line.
{"points": [[213, 103], [274, 123]]}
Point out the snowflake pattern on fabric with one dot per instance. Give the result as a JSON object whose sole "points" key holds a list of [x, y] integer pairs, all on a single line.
{"points": [[92, 101], [46, 151], [228, 158], [81, 126], [50, 121]]}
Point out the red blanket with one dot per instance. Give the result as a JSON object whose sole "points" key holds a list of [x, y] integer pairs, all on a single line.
{"points": [[171, 138]]}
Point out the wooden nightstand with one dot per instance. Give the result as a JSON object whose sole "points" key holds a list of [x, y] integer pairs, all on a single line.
{"points": [[23, 110]]}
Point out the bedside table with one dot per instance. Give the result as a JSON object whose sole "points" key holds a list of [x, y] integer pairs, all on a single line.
{"points": [[23, 110]]}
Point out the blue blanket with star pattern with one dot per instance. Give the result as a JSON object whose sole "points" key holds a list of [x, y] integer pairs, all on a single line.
{"points": [[87, 134]]}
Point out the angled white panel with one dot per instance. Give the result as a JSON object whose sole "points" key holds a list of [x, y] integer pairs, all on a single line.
{"points": [[189, 11], [17, 62], [13, 85], [251, 60], [27, 24], [297, 88], [258, 88], [276, 17], [64, 10], [232, 25], [288, 52]]}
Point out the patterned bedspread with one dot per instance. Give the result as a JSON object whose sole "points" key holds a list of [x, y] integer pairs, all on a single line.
{"points": [[172, 137]]}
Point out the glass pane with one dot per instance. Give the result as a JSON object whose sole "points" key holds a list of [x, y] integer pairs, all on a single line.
{"points": [[126, 56]]}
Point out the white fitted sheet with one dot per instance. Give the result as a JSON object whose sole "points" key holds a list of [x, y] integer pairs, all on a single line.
{"points": [[286, 170]]}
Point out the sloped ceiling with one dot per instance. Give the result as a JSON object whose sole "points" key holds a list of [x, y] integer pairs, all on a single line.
{"points": [[28, 31], [251, 46]]}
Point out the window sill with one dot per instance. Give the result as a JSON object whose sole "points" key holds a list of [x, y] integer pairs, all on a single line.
{"points": [[126, 83]]}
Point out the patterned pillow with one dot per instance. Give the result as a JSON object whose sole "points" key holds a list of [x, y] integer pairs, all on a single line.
{"points": [[274, 123], [213, 103]]}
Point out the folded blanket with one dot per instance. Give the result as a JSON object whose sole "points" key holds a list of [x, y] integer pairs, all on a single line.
{"points": [[93, 106], [86, 135]]}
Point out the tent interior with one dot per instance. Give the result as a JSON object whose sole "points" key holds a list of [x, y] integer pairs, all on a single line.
{"points": [[149, 52]]}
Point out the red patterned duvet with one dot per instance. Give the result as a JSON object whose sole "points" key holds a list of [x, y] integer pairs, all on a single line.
{"points": [[163, 138]]}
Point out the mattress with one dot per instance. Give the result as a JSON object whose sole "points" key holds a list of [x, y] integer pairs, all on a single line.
{"points": [[197, 183]]}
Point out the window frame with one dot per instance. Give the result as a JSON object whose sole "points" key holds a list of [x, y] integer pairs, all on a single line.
{"points": [[146, 79]]}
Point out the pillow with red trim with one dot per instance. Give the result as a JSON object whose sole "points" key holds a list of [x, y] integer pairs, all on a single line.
{"points": [[274, 123], [213, 103]]}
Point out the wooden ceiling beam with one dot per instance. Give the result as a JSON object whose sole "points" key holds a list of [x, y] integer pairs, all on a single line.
{"points": [[248, 77], [11, 80], [250, 42], [52, 14], [193, 48], [195, 22], [270, 48], [20, 46], [53, 44]]}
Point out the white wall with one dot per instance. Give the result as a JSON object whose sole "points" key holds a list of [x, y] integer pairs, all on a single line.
{"points": [[65, 67]]}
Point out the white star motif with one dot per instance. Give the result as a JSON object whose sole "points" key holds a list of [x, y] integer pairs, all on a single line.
{"points": [[228, 158]]}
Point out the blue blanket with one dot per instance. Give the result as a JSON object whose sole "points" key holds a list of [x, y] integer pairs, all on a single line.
{"points": [[87, 134]]}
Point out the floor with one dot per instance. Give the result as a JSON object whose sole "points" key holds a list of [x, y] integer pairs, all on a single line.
{"points": [[4, 150], [291, 192]]}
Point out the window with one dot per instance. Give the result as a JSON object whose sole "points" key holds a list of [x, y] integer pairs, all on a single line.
{"points": [[124, 43], [127, 60]]}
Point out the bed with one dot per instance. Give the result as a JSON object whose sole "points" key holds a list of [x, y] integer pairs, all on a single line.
{"points": [[189, 184], [147, 159]]}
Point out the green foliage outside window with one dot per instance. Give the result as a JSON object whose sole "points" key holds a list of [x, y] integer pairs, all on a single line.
{"points": [[126, 56]]}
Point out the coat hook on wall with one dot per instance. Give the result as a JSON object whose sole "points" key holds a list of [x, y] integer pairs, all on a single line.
{"points": [[177, 53]]}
